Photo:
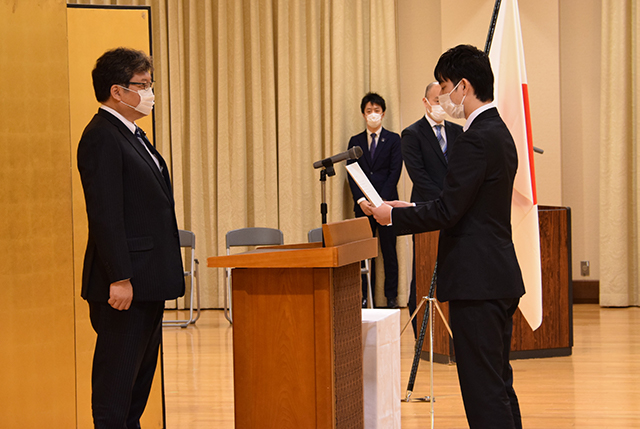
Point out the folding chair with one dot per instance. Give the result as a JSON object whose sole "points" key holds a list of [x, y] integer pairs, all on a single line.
{"points": [[255, 236], [188, 241], [315, 235]]}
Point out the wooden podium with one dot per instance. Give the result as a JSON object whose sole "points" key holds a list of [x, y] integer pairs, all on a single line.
{"points": [[555, 336], [297, 331]]}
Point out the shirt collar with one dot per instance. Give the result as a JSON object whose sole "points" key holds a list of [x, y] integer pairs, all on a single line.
{"points": [[132, 126], [475, 114], [378, 131], [432, 122]]}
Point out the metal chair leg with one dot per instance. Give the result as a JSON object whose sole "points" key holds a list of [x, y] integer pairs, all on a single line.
{"points": [[367, 264], [227, 298]]}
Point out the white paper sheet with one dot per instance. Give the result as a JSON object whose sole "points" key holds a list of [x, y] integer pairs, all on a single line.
{"points": [[364, 184]]}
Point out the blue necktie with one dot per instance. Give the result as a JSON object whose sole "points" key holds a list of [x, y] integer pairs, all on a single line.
{"points": [[372, 149], [443, 143]]}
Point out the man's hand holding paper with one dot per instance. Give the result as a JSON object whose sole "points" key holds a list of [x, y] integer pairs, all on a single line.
{"points": [[382, 213]]}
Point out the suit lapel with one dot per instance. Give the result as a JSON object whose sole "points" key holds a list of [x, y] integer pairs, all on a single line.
{"points": [[380, 146], [142, 152], [138, 146], [448, 128], [364, 145], [430, 136]]}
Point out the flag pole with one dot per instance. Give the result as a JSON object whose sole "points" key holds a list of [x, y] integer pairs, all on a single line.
{"points": [[492, 27]]}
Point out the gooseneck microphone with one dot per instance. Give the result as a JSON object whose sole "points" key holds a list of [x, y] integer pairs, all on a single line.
{"points": [[353, 153]]}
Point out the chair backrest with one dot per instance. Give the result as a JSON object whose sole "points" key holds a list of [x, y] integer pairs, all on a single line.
{"points": [[314, 235], [187, 238], [255, 236]]}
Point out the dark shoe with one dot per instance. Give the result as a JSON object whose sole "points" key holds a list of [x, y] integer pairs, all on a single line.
{"points": [[392, 303]]}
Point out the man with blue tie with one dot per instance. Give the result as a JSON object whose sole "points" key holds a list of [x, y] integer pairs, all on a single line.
{"points": [[425, 146], [381, 161]]}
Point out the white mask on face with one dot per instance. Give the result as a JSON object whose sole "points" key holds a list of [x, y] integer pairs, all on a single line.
{"points": [[374, 120], [146, 100], [454, 110], [437, 112]]}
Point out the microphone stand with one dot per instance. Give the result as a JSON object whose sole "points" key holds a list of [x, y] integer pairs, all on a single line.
{"points": [[328, 170]]}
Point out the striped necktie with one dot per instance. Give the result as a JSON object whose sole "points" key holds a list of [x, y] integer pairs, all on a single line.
{"points": [[443, 143]]}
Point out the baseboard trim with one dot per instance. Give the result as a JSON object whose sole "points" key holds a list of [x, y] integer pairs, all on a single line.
{"points": [[586, 292]]}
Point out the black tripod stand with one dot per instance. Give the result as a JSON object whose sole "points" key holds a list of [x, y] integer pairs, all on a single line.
{"points": [[427, 319]]}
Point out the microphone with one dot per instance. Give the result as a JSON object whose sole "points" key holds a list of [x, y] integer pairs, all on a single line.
{"points": [[353, 153]]}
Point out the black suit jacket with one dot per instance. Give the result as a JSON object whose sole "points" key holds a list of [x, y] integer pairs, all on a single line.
{"points": [[133, 233], [424, 159], [385, 169], [476, 257]]}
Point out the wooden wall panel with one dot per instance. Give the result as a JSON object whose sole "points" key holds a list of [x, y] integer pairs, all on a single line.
{"points": [[37, 360]]}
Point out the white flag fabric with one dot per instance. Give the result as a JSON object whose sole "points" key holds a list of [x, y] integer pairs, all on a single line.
{"points": [[512, 98]]}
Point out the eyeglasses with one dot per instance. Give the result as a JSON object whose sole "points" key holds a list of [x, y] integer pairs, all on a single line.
{"points": [[143, 85]]}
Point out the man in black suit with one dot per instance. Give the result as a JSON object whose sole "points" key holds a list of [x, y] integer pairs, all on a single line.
{"points": [[425, 144], [381, 161], [478, 272], [133, 262]]}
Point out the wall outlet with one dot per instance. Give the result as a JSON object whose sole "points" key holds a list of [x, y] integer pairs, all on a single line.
{"points": [[584, 268]]}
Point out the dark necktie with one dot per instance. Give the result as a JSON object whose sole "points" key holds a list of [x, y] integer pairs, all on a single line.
{"points": [[372, 149], [443, 143], [142, 137]]}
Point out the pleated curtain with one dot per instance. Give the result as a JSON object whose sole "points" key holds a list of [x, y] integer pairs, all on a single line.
{"points": [[619, 156], [249, 93]]}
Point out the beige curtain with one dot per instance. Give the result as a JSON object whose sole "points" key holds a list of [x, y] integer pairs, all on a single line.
{"points": [[249, 94], [620, 160]]}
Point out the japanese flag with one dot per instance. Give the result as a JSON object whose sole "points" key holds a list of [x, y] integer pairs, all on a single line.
{"points": [[512, 98]]}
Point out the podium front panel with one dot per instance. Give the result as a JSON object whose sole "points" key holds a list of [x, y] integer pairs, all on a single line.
{"points": [[298, 347]]}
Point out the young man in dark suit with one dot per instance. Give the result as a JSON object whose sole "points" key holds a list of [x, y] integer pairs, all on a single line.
{"points": [[132, 263], [381, 161], [425, 145], [478, 272]]}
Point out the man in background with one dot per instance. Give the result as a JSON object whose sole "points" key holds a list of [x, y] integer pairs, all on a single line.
{"points": [[133, 262], [478, 272], [381, 161], [425, 144]]}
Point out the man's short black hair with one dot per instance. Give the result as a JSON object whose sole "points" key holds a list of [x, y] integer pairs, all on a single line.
{"points": [[373, 98], [117, 67], [466, 61]]}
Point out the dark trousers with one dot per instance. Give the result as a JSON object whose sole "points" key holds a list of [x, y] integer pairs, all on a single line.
{"points": [[124, 362], [387, 238], [482, 340]]}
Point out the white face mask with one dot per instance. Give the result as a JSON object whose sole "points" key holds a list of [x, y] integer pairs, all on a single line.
{"points": [[437, 112], [454, 110], [374, 120], [146, 100]]}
